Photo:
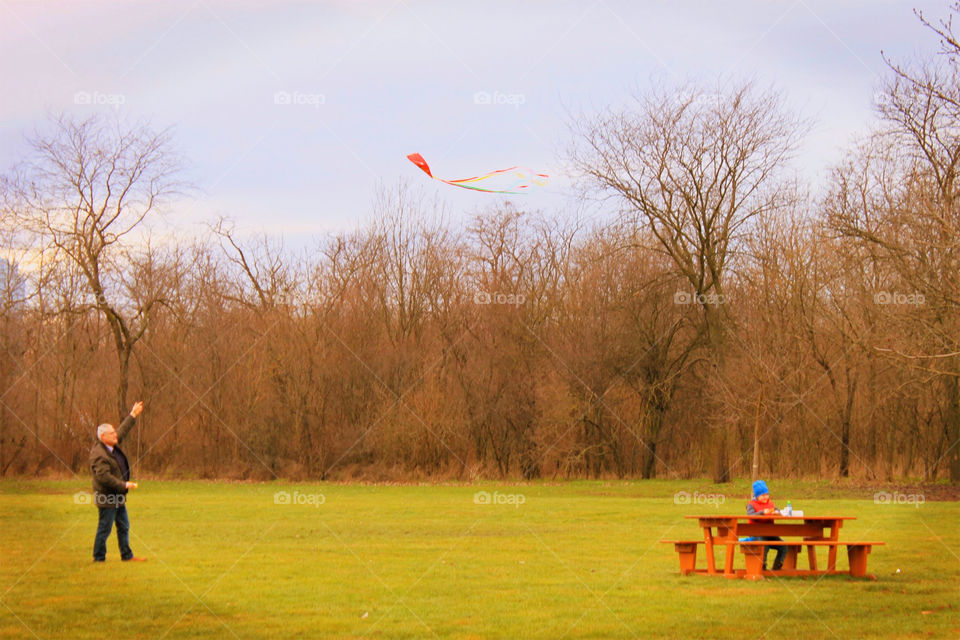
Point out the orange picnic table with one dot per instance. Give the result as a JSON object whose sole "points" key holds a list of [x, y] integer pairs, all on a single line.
{"points": [[797, 532]]}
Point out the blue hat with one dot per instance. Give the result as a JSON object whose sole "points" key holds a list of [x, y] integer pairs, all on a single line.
{"points": [[760, 488]]}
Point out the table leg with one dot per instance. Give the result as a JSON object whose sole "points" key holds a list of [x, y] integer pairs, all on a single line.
{"points": [[812, 556], [790, 562], [728, 560], [832, 553], [733, 536], [812, 549], [708, 548]]}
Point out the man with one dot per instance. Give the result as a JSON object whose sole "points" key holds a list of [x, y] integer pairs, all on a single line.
{"points": [[111, 482]]}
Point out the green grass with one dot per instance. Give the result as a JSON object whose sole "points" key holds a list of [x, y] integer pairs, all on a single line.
{"points": [[575, 560]]}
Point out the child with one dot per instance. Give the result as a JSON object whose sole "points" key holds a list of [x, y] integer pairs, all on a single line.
{"points": [[761, 505]]}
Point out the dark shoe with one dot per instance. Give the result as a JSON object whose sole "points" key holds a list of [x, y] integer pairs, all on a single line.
{"points": [[777, 567], [134, 559], [99, 559]]}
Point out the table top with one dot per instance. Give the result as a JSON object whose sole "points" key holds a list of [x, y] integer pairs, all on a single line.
{"points": [[769, 517]]}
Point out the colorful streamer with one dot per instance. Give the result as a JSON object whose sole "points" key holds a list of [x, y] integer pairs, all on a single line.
{"points": [[523, 179]]}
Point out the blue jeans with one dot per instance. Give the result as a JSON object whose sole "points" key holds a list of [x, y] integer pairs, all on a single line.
{"points": [[109, 515], [781, 552]]}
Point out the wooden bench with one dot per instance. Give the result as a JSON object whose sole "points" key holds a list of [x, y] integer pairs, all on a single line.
{"points": [[687, 550], [857, 552], [753, 552]]}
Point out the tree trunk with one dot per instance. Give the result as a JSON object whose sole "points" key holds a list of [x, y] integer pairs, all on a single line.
{"points": [[124, 383], [755, 467], [718, 423], [649, 469], [721, 472], [655, 415], [952, 427], [845, 449]]}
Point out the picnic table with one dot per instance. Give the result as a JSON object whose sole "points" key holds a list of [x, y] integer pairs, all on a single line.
{"points": [[810, 531]]}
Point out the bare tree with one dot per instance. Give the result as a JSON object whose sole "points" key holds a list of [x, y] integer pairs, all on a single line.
{"points": [[900, 195], [624, 346], [86, 189], [694, 168]]}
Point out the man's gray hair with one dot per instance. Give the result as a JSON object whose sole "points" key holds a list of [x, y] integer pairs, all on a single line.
{"points": [[103, 428]]}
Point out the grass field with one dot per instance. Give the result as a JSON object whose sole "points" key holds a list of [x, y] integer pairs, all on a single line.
{"points": [[568, 560]]}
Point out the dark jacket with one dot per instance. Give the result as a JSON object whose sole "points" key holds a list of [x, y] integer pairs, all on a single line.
{"points": [[109, 485]]}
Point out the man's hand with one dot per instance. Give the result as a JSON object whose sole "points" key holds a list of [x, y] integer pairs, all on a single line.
{"points": [[131, 485], [768, 511], [137, 409]]}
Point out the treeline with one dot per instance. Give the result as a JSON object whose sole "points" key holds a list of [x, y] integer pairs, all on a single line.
{"points": [[721, 319]]}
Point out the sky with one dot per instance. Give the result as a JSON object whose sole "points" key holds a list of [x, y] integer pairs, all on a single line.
{"points": [[289, 115]]}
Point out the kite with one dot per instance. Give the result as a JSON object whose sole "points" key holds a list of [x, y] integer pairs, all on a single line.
{"points": [[523, 179]]}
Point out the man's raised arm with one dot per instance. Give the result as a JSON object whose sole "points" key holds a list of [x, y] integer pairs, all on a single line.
{"points": [[129, 421]]}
